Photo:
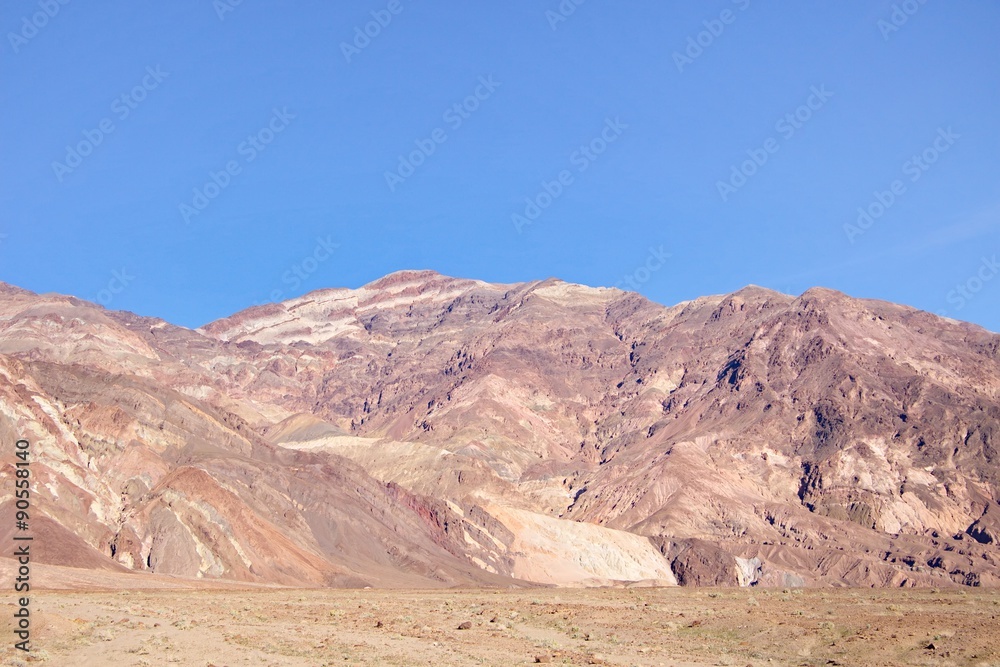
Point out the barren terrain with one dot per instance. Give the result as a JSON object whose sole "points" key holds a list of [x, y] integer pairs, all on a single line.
{"points": [[426, 432], [637, 626]]}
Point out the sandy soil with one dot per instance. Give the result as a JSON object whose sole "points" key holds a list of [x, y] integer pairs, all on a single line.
{"points": [[640, 626]]}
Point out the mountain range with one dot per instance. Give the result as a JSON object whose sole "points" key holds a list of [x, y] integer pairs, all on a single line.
{"points": [[427, 431]]}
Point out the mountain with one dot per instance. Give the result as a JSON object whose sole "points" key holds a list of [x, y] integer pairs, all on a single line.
{"points": [[430, 431]]}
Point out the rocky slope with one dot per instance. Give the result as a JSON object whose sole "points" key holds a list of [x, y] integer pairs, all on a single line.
{"points": [[423, 430]]}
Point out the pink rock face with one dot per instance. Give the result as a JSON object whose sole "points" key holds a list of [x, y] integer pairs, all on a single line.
{"points": [[429, 431]]}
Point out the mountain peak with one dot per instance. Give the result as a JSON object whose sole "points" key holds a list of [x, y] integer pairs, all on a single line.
{"points": [[7, 288], [824, 293], [406, 277]]}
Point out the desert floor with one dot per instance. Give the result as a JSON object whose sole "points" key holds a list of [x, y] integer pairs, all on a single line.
{"points": [[640, 626]]}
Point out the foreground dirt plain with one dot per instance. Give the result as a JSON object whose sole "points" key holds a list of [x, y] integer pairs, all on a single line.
{"points": [[640, 626]]}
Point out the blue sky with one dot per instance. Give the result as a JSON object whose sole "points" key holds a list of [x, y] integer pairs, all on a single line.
{"points": [[189, 159]]}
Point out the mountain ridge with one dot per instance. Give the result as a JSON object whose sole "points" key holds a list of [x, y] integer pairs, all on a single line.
{"points": [[436, 427]]}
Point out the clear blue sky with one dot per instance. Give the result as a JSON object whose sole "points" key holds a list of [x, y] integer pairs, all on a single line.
{"points": [[673, 121]]}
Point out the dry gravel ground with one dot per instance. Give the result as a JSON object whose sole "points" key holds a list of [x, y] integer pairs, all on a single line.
{"points": [[639, 626]]}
